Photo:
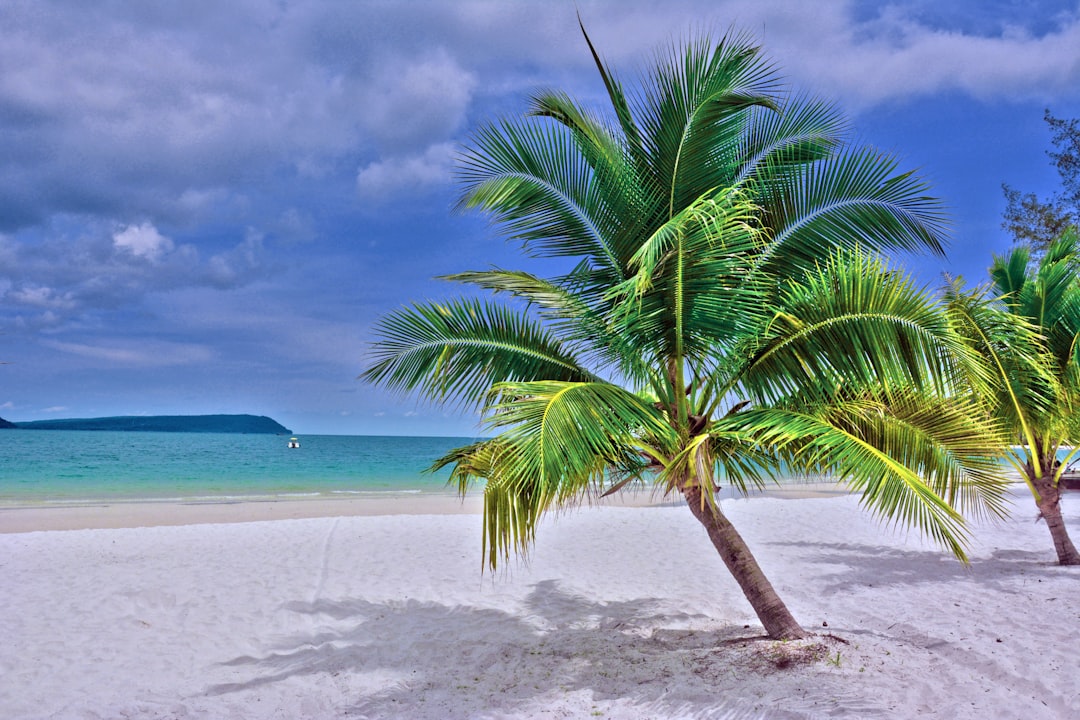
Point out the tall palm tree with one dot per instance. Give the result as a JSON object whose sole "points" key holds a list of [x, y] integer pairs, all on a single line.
{"points": [[1027, 327], [721, 316]]}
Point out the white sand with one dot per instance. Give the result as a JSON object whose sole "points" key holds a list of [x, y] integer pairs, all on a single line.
{"points": [[622, 612]]}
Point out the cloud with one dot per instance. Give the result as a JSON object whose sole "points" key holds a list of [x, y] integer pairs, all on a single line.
{"points": [[410, 104], [895, 56], [156, 115], [239, 265], [384, 179], [36, 296], [143, 241], [51, 278], [54, 409], [135, 353]]}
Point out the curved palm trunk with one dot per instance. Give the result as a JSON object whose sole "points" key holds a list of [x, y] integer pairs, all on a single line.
{"points": [[1049, 503], [770, 609]]}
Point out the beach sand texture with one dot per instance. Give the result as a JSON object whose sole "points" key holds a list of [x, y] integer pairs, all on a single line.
{"points": [[621, 612]]}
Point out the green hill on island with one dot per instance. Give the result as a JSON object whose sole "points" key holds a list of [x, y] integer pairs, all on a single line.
{"points": [[163, 423]]}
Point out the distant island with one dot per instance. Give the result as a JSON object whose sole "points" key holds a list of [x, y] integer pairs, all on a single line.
{"points": [[161, 423]]}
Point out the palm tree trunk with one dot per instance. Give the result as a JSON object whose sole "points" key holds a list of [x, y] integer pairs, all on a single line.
{"points": [[774, 615], [1050, 509]]}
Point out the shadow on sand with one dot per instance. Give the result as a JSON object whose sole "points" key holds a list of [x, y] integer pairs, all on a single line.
{"points": [[465, 662], [877, 566]]}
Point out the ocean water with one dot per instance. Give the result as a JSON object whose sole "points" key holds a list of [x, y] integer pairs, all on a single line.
{"points": [[50, 467]]}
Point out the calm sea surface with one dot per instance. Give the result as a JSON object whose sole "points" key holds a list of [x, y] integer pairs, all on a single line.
{"points": [[50, 467]]}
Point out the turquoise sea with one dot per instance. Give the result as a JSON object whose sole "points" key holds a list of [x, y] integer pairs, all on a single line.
{"points": [[51, 467]]}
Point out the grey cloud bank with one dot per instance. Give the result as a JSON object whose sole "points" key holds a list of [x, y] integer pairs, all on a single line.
{"points": [[235, 191]]}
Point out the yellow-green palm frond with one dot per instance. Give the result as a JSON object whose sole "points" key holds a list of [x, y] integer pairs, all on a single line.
{"points": [[455, 350], [854, 321], [557, 443], [912, 459]]}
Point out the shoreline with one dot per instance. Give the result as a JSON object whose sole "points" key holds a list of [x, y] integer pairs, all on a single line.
{"points": [[108, 514]]}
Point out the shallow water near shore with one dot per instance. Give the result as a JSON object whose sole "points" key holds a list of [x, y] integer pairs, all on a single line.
{"points": [[69, 468], [57, 467]]}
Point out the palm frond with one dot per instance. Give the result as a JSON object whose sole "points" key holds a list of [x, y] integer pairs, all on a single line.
{"points": [[558, 442], [854, 321], [533, 180], [886, 459], [619, 102], [582, 326], [694, 109], [571, 429], [853, 199], [1022, 386], [803, 131], [689, 291], [621, 200], [456, 350]]}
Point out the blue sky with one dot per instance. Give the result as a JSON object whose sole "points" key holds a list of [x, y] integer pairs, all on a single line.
{"points": [[206, 206]]}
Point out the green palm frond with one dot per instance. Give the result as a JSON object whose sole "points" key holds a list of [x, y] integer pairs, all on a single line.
{"points": [[572, 429], [469, 463], [693, 111], [899, 481], [558, 443], [624, 200], [531, 179], [1024, 387], [852, 199], [689, 291], [581, 325], [456, 350], [951, 442], [617, 96], [775, 143], [1009, 274], [854, 321]]}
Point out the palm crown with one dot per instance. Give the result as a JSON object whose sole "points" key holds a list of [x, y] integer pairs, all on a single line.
{"points": [[722, 314], [1026, 326]]}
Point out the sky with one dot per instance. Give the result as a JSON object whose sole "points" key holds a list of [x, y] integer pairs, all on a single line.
{"points": [[205, 207]]}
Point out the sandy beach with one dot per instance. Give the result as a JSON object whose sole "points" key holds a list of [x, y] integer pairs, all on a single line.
{"points": [[620, 612]]}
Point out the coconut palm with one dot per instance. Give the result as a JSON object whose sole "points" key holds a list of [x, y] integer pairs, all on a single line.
{"points": [[720, 315], [1027, 327]]}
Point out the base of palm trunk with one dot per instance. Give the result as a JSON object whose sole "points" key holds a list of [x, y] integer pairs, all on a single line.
{"points": [[771, 610], [1063, 545], [1050, 510]]}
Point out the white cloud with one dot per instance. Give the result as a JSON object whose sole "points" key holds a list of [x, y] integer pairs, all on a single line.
{"points": [[153, 353], [143, 241], [895, 57], [54, 409], [40, 297], [383, 179], [865, 54], [412, 104]]}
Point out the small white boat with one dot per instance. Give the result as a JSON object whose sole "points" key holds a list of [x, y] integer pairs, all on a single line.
{"points": [[294, 443]]}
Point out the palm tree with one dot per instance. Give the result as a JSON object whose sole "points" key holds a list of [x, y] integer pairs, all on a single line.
{"points": [[1027, 327], [720, 315]]}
